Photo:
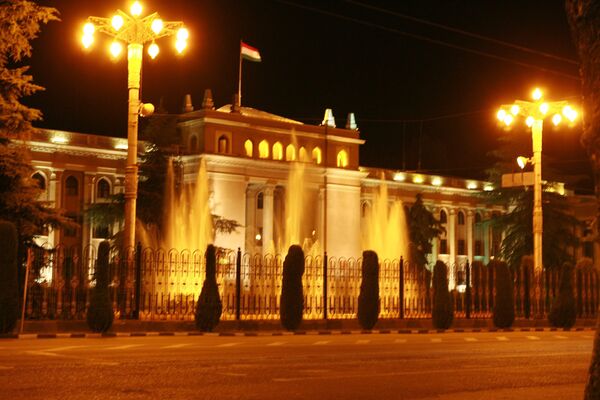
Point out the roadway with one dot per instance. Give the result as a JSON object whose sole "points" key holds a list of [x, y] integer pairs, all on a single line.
{"points": [[483, 365]]}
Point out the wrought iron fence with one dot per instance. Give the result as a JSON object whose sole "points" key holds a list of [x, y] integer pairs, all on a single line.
{"points": [[155, 284]]}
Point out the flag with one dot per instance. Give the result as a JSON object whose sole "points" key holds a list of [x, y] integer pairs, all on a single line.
{"points": [[249, 53]]}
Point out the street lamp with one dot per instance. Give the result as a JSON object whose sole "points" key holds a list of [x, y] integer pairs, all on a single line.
{"points": [[535, 112], [135, 31]]}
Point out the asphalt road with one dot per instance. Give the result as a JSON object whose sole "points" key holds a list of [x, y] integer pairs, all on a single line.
{"points": [[498, 365]]}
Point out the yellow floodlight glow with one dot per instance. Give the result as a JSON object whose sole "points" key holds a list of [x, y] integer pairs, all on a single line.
{"points": [[183, 34], [153, 50], [87, 41], [508, 119], [529, 121], [399, 177], [436, 181], [544, 107], [136, 9], [117, 22], [180, 45], [89, 29], [514, 110], [522, 161], [471, 185], [418, 179], [157, 25], [488, 187], [115, 49], [569, 113], [537, 94], [556, 119], [501, 114]]}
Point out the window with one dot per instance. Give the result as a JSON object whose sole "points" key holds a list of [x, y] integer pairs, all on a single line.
{"points": [[194, 143], [302, 154], [443, 246], [478, 248], [290, 153], [461, 218], [223, 145], [103, 189], [248, 147], [461, 247], [259, 201], [263, 149], [342, 159], [316, 155], [443, 217], [277, 151], [39, 180], [72, 186]]}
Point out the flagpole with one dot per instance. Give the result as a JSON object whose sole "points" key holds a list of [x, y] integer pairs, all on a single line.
{"points": [[240, 79]]}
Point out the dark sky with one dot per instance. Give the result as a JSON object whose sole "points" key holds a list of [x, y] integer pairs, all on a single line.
{"points": [[332, 54]]}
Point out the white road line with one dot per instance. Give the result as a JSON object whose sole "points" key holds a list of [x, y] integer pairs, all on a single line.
{"points": [[321, 342], [63, 348], [362, 341], [471, 339], [587, 336], [276, 344], [561, 337], [176, 346], [533, 337], [41, 353], [228, 344], [436, 340], [124, 347], [231, 374], [502, 338], [400, 341]]}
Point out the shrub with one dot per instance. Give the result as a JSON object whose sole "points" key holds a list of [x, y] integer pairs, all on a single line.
{"points": [[209, 306], [100, 313], [9, 281], [292, 297], [478, 283], [504, 307], [442, 312], [527, 279], [563, 312], [368, 299]]}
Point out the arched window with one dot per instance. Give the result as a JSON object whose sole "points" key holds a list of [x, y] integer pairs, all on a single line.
{"points": [[39, 180], [103, 189], [290, 153], [461, 218], [259, 201], [72, 186], [302, 154], [277, 151], [248, 147], [316, 155], [443, 217], [194, 143], [223, 145], [263, 149], [342, 159]]}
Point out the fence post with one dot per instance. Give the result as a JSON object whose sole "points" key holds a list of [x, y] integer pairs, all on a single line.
{"points": [[238, 285], [138, 279], [401, 290], [325, 304], [468, 291]]}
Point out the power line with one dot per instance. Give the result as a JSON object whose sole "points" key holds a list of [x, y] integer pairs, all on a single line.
{"points": [[462, 32], [429, 40]]}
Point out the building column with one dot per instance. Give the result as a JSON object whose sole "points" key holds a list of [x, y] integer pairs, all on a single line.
{"points": [[321, 218], [470, 242], [89, 196], [55, 199], [251, 229], [486, 235], [451, 235], [268, 246]]}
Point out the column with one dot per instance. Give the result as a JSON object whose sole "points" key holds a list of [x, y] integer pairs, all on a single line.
{"points": [[470, 242], [251, 230], [321, 218], [451, 235], [267, 237], [54, 197]]}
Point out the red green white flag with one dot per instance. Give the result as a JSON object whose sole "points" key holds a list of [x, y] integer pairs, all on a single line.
{"points": [[249, 53]]}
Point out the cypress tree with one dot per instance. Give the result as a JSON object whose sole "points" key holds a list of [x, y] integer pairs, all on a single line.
{"points": [[100, 313], [563, 312], [292, 296], [209, 306], [442, 313], [504, 306], [9, 281], [368, 299]]}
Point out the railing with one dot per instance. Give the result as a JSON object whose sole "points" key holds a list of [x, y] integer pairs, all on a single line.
{"points": [[250, 286]]}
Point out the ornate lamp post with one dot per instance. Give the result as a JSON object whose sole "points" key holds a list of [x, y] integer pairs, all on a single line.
{"points": [[135, 31], [535, 112]]}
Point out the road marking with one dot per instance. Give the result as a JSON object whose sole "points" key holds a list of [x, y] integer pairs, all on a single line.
{"points": [[228, 344], [4, 367], [400, 341], [41, 353], [321, 342], [124, 347], [63, 348], [436, 340], [231, 374], [471, 339], [561, 337], [362, 341], [587, 336], [502, 338], [533, 337], [177, 346], [276, 344]]}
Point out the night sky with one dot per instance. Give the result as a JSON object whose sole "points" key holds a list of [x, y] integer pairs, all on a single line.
{"points": [[411, 95]]}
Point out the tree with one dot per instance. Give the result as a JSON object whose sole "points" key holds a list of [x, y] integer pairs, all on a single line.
{"points": [[423, 228], [368, 299], [292, 298], [9, 282], [504, 306], [100, 313], [19, 194], [564, 310], [584, 19], [209, 306], [442, 313]]}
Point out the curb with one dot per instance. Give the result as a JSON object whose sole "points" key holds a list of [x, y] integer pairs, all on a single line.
{"points": [[87, 335]]}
